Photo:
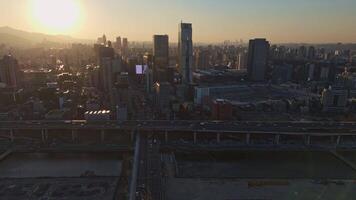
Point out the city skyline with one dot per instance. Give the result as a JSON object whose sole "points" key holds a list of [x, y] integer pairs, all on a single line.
{"points": [[307, 22], [172, 100]]}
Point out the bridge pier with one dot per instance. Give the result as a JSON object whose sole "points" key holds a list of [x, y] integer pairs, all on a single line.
{"points": [[338, 140], [74, 135], [12, 135], [102, 136], [276, 139], [44, 133], [308, 140], [218, 137], [248, 138], [132, 135], [166, 136], [195, 137]]}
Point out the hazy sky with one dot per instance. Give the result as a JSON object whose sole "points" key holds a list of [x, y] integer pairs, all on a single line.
{"points": [[213, 20]]}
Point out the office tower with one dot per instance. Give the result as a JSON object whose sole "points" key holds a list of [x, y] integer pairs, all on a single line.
{"points": [[148, 61], [161, 51], [257, 59], [9, 71], [118, 43], [125, 46], [160, 57], [109, 66], [109, 69], [185, 52], [104, 39], [102, 51]]}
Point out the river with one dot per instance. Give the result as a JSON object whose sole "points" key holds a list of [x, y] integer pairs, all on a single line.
{"points": [[25, 165]]}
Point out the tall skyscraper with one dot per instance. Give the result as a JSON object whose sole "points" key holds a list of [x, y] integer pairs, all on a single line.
{"points": [[118, 42], [104, 39], [161, 51], [148, 60], [185, 48], [110, 66], [160, 57], [257, 59], [9, 71], [125, 46], [101, 40]]}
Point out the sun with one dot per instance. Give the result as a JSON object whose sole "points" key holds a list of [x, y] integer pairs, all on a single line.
{"points": [[56, 16]]}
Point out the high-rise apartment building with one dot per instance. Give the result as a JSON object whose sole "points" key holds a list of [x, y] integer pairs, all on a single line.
{"points": [[9, 71], [257, 59]]}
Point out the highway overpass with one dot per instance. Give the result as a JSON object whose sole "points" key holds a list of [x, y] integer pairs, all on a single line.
{"points": [[250, 133]]}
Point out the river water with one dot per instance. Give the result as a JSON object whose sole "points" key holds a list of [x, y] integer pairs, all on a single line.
{"points": [[27, 165]]}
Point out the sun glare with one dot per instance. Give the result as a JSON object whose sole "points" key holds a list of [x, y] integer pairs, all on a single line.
{"points": [[56, 16]]}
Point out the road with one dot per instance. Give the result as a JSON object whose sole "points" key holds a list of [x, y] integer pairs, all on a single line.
{"points": [[142, 192], [155, 169], [149, 183], [324, 128]]}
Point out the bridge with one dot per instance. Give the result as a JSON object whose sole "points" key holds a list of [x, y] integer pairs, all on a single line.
{"points": [[247, 133]]}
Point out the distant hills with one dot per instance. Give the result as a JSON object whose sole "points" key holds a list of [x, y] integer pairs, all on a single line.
{"points": [[18, 38]]}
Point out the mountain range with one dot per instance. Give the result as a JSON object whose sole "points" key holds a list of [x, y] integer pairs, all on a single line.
{"points": [[18, 38]]}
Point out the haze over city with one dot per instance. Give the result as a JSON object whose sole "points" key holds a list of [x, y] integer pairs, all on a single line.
{"points": [[177, 100], [282, 21]]}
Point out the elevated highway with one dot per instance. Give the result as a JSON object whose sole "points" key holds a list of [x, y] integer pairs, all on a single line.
{"points": [[291, 127], [252, 133]]}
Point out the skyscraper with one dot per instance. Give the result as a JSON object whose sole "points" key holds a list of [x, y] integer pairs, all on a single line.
{"points": [[104, 39], [160, 58], [118, 43], [125, 46], [9, 71], [257, 59], [161, 51], [185, 48]]}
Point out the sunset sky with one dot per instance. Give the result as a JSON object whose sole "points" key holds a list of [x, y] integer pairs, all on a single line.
{"points": [[311, 21]]}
